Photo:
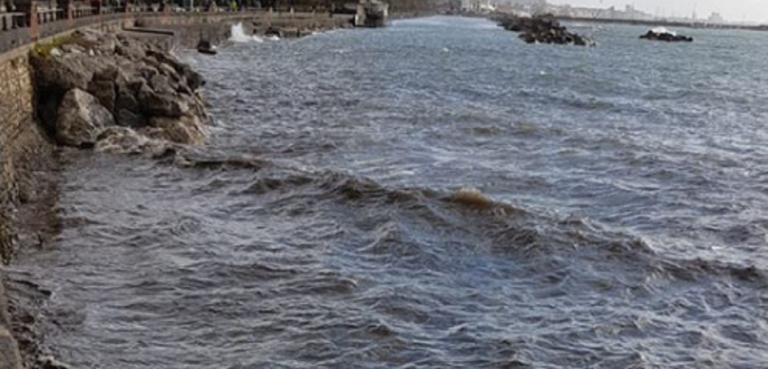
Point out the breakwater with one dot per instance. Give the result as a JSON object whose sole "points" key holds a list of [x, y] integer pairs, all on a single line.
{"points": [[664, 23]]}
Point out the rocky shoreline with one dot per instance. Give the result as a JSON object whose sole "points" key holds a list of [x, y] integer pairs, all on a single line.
{"points": [[114, 92], [93, 91], [109, 92]]}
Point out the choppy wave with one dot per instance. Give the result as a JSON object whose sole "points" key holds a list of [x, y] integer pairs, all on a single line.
{"points": [[236, 251], [497, 220]]}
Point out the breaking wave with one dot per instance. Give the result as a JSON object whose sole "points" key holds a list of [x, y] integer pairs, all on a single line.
{"points": [[238, 35]]}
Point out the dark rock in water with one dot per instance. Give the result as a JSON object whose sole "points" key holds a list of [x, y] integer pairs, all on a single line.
{"points": [[273, 31], [662, 34], [543, 29], [99, 80], [205, 47], [81, 119]]}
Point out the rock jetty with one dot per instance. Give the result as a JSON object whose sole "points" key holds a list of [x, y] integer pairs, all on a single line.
{"points": [[662, 34], [543, 29], [104, 89]]}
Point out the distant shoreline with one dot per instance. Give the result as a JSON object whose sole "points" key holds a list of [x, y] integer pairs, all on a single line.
{"points": [[663, 23], [635, 22]]}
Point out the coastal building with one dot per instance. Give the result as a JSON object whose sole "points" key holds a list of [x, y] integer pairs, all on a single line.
{"points": [[716, 18], [477, 6]]}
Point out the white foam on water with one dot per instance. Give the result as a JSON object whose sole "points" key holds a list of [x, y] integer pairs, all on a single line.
{"points": [[238, 35], [661, 30]]}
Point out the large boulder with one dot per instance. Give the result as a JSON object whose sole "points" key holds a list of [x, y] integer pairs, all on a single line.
{"points": [[81, 119], [102, 86], [162, 104], [71, 70]]}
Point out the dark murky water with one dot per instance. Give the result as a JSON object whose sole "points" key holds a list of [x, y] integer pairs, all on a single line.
{"points": [[433, 195]]}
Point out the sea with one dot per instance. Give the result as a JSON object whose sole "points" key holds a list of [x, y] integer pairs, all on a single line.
{"points": [[433, 194]]}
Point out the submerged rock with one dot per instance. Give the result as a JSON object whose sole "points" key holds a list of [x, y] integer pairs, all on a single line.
{"points": [[49, 362], [99, 80], [124, 140], [81, 119]]}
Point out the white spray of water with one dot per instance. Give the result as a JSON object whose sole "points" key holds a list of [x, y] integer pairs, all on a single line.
{"points": [[238, 35]]}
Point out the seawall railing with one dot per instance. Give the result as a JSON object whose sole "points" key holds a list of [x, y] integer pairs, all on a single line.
{"points": [[26, 27]]}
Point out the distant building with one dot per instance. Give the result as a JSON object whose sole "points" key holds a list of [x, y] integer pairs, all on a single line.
{"points": [[477, 6], [716, 18], [629, 12]]}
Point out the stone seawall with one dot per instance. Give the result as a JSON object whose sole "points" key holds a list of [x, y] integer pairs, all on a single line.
{"points": [[24, 149]]}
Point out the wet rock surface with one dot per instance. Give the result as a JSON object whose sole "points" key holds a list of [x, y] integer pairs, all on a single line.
{"points": [[543, 29], [99, 80], [9, 358], [662, 34], [9, 354], [81, 118]]}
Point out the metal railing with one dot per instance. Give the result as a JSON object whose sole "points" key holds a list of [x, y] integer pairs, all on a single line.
{"points": [[9, 21], [20, 28]]}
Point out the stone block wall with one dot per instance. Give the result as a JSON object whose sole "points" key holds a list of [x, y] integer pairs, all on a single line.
{"points": [[22, 142], [23, 148]]}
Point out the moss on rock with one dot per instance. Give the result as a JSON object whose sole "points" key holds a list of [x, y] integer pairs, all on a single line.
{"points": [[43, 49]]}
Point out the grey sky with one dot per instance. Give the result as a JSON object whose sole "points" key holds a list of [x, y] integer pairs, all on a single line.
{"points": [[734, 10]]}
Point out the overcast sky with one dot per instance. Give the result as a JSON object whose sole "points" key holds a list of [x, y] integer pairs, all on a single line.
{"points": [[734, 10]]}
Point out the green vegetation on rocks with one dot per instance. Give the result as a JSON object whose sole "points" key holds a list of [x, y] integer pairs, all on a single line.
{"points": [[44, 49]]}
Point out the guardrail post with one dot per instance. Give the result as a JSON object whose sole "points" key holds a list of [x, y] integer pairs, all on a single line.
{"points": [[166, 12], [126, 14], [34, 24], [68, 13]]}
